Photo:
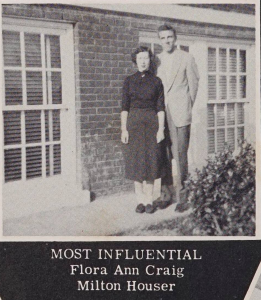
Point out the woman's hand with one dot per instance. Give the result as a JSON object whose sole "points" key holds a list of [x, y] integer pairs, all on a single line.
{"points": [[125, 137], [160, 135]]}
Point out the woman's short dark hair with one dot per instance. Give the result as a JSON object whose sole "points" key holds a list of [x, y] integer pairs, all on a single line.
{"points": [[167, 27], [139, 50]]}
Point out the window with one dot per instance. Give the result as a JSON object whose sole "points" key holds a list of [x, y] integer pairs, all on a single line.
{"points": [[227, 82], [151, 40], [157, 49], [32, 104]]}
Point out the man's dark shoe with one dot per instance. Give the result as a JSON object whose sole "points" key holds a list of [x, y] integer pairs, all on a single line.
{"points": [[164, 204], [150, 208], [140, 208], [181, 207]]}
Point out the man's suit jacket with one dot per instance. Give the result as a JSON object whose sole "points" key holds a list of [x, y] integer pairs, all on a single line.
{"points": [[180, 85]]}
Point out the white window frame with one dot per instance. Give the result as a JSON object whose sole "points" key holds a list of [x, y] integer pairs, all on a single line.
{"points": [[67, 108], [238, 46], [152, 38]]}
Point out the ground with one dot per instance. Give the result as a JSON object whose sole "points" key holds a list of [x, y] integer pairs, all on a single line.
{"points": [[106, 216]]}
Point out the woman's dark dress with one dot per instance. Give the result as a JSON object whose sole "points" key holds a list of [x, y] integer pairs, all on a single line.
{"points": [[143, 98]]}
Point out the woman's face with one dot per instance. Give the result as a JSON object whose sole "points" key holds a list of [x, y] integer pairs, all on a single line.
{"points": [[143, 61]]}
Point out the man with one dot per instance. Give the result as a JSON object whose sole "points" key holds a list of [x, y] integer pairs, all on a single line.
{"points": [[179, 74]]}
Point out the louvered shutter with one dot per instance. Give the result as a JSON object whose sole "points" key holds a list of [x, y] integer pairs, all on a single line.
{"points": [[212, 61], [232, 60], [222, 60], [242, 87], [212, 87], [242, 61], [240, 113], [11, 48], [211, 115], [13, 87], [231, 138], [211, 141], [220, 114], [28, 147], [230, 114], [34, 88], [12, 128], [32, 50], [13, 164], [227, 82], [222, 87]]}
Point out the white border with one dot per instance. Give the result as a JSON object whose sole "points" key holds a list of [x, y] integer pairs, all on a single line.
{"points": [[253, 283], [248, 23]]}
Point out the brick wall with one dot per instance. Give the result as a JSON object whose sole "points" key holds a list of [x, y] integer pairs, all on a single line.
{"points": [[103, 43]]}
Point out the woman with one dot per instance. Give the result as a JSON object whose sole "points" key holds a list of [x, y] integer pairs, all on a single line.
{"points": [[142, 126]]}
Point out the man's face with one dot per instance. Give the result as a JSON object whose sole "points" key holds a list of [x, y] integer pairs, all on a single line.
{"points": [[167, 40]]}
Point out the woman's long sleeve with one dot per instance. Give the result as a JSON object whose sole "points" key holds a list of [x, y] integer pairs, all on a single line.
{"points": [[125, 96], [160, 100]]}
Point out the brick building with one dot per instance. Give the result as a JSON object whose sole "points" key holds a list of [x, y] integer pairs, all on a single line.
{"points": [[63, 70]]}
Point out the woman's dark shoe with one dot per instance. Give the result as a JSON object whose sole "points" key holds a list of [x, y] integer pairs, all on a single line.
{"points": [[140, 208], [150, 208]]}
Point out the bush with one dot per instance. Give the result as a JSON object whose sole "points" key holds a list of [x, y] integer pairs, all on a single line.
{"points": [[223, 195]]}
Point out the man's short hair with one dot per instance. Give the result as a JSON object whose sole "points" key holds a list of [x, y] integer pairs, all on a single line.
{"points": [[166, 27], [141, 49]]}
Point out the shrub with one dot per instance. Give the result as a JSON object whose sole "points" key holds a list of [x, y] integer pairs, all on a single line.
{"points": [[223, 195]]}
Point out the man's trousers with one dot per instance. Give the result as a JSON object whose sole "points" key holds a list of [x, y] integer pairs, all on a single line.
{"points": [[178, 141]]}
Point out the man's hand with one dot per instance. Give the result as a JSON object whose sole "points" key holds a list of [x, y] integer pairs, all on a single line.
{"points": [[160, 135], [125, 137]]}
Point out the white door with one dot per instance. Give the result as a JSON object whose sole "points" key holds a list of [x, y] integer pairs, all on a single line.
{"points": [[38, 116]]}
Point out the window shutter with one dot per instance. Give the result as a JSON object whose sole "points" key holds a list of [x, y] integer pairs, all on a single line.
{"points": [[33, 126], [211, 115], [33, 162], [223, 87], [232, 87], [34, 88], [242, 61], [222, 60], [57, 159], [240, 113], [240, 133], [32, 50], [56, 88], [212, 62], [232, 60], [13, 87], [12, 128], [11, 48], [220, 139], [212, 87], [157, 49], [13, 164], [231, 138], [230, 114], [54, 43], [47, 155], [23, 150], [56, 125], [242, 87], [211, 141], [184, 48], [220, 114], [227, 82]]}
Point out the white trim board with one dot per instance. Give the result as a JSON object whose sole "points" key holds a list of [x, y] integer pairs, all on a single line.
{"points": [[179, 12]]}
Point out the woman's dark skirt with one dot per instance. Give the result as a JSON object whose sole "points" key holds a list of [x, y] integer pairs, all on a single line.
{"points": [[144, 157]]}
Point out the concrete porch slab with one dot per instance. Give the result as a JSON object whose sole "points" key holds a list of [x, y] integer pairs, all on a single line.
{"points": [[105, 216]]}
